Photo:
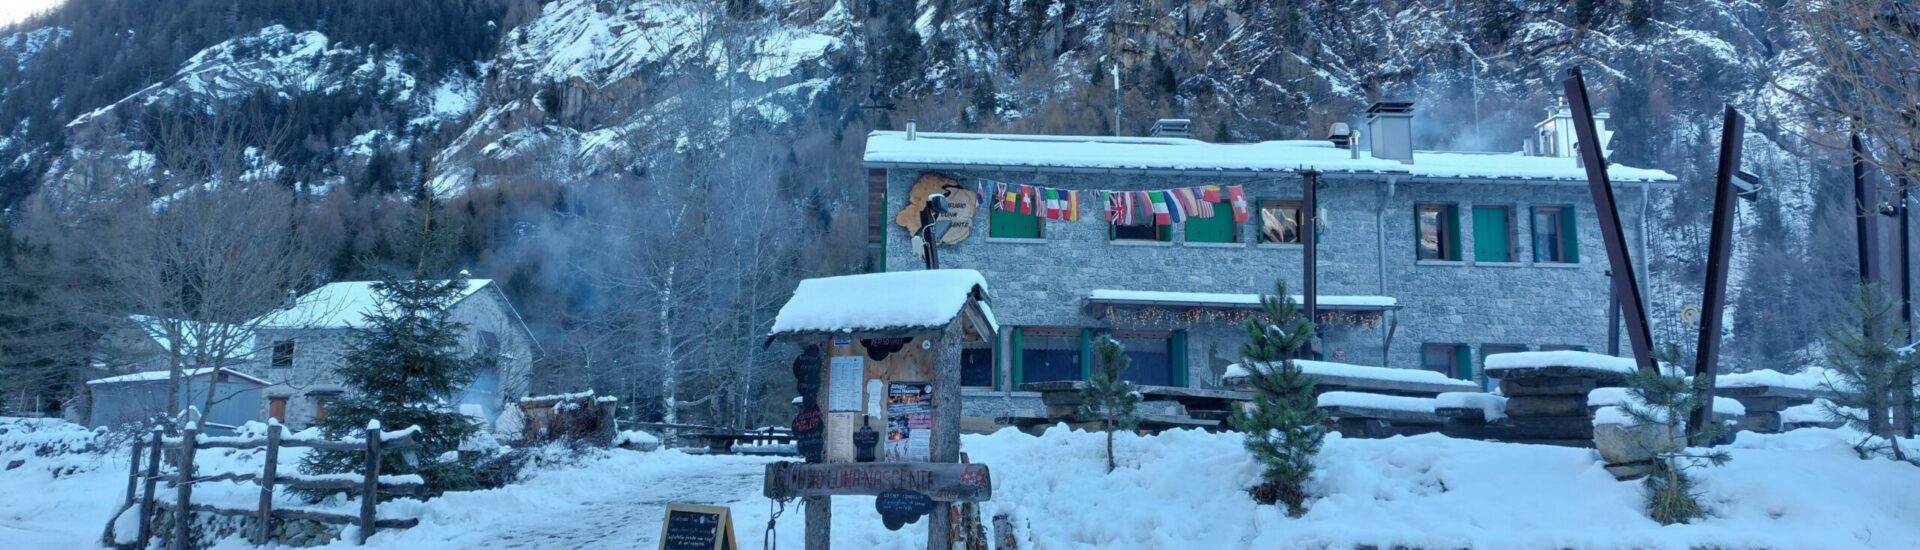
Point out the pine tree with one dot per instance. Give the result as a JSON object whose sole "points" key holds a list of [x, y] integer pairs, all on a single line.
{"points": [[1662, 404], [1869, 362], [403, 369], [1108, 397], [1284, 426]]}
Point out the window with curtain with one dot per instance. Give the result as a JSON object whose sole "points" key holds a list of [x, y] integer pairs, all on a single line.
{"points": [[1049, 354], [1555, 235], [1280, 221], [1150, 354]]}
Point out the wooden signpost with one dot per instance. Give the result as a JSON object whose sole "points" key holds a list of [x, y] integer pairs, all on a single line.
{"points": [[695, 527], [900, 383]]}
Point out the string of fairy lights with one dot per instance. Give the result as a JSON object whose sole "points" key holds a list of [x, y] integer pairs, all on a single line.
{"points": [[1190, 316]]}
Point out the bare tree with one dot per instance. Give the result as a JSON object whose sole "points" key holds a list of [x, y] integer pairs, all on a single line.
{"points": [[1869, 51]]}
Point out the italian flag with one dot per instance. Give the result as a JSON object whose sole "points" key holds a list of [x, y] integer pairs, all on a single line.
{"points": [[1162, 215], [1239, 197], [1054, 206]]}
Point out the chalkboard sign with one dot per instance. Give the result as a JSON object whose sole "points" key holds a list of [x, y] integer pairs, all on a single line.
{"points": [[806, 372], [809, 434], [879, 348], [899, 507], [694, 527]]}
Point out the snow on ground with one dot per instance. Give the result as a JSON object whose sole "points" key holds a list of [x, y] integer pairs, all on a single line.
{"points": [[1181, 489]]}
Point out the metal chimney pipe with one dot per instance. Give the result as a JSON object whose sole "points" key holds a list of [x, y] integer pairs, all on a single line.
{"points": [[913, 129]]}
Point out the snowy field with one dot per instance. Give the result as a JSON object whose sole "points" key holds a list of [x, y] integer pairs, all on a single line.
{"points": [[1183, 489]]}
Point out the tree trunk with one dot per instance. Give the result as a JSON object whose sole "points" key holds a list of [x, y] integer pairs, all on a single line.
{"points": [[1110, 464]]}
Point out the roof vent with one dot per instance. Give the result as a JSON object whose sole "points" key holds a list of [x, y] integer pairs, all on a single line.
{"points": [[1390, 127], [1173, 128], [1340, 134]]}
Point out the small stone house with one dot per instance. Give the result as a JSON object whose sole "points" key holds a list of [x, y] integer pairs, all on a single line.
{"points": [[300, 346], [1425, 259]]}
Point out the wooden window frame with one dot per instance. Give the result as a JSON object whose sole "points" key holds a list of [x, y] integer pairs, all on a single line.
{"points": [[286, 360], [1447, 216], [1298, 208]]}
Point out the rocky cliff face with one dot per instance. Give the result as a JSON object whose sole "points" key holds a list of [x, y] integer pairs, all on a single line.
{"points": [[580, 89]]}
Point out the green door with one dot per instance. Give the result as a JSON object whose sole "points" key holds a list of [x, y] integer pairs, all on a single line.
{"points": [[1491, 234]]}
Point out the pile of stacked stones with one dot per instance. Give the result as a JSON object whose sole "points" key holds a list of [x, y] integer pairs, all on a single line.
{"points": [[1546, 397], [1764, 403]]}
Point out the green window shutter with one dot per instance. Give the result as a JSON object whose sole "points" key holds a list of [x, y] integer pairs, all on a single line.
{"points": [[1163, 233], [997, 351], [1012, 225], [1491, 235], [1019, 355], [1452, 230], [1086, 354], [1463, 362], [1416, 232], [1178, 348], [1570, 234], [1217, 229]]}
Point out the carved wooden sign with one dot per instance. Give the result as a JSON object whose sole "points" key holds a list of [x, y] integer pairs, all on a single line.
{"points": [[940, 481], [961, 204]]}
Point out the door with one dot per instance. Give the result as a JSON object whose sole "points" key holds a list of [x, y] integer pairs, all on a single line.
{"points": [[277, 408]]}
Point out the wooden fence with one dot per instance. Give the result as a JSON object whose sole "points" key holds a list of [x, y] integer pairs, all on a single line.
{"points": [[369, 484]]}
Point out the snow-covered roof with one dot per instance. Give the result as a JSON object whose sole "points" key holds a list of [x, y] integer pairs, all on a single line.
{"points": [[155, 375], [872, 302], [1213, 299], [1560, 358], [1384, 374], [341, 305], [1181, 154]]}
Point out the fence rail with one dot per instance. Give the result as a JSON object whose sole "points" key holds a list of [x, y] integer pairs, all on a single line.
{"points": [[369, 484]]}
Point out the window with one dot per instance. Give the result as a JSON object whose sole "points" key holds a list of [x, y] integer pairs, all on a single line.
{"points": [[1452, 360], [1492, 234], [320, 403], [1562, 347], [1556, 238], [1488, 383], [277, 408], [1439, 231], [1006, 224], [1149, 232], [1151, 356], [976, 365], [1049, 354], [283, 354], [1218, 229], [1279, 221]]}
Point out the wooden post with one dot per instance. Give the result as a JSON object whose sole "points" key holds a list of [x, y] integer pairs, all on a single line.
{"points": [[267, 477], [370, 490], [133, 472], [945, 446], [147, 487], [819, 522], [189, 440], [1309, 255]]}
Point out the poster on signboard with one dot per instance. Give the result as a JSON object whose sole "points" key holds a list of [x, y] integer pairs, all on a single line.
{"points": [[909, 422], [848, 372]]}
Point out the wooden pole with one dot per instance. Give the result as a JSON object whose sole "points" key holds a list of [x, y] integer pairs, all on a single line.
{"points": [[133, 472], [182, 515], [1309, 256], [147, 487], [1706, 365], [267, 477], [819, 522], [370, 489], [1615, 238], [945, 446]]}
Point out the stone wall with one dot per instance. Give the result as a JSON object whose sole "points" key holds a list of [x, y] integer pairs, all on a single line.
{"points": [[1044, 282]]}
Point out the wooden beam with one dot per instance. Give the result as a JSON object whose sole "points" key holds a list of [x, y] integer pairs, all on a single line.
{"points": [[941, 481], [1611, 233], [1713, 303]]}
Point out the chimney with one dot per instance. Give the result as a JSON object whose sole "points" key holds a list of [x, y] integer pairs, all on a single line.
{"points": [[913, 129], [1390, 125], [1340, 134], [1173, 128]]}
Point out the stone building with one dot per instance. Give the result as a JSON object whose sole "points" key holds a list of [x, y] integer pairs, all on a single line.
{"points": [[301, 345], [1426, 259]]}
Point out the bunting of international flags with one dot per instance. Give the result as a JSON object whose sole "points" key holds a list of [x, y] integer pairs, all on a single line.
{"points": [[1161, 207]]}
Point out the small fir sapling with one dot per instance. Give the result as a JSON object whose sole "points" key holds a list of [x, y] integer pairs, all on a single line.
{"points": [[1662, 404], [1284, 426], [1107, 396], [1870, 364]]}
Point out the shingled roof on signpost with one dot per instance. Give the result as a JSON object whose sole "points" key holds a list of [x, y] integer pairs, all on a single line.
{"points": [[885, 305]]}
